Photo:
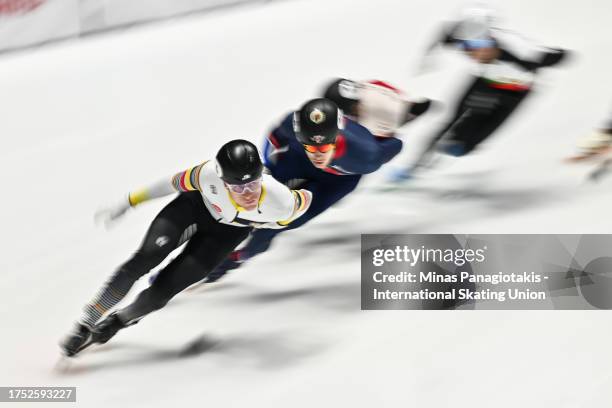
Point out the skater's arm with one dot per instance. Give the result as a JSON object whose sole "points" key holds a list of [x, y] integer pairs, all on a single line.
{"points": [[294, 204], [302, 199], [365, 153], [383, 108], [277, 142], [188, 180], [526, 53], [389, 148]]}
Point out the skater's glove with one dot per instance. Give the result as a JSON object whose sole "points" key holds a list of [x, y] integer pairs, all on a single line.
{"points": [[109, 215], [419, 108], [416, 109], [554, 57]]}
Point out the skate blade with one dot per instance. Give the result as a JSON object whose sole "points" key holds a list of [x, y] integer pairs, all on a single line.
{"points": [[63, 364], [66, 365], [80, 350]]}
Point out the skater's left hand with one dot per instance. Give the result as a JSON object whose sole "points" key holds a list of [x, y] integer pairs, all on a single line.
{"points": [[110, 214]]}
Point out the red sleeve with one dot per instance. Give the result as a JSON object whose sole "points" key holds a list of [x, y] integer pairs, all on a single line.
{"points": [[340, 147], [273, 140], [385, 85]]}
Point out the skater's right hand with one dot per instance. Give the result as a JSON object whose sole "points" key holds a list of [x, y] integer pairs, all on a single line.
{"points": [[112, 213]]}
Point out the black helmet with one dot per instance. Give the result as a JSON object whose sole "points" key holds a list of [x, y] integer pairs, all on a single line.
{"points": [[344, 93], [317, 122], [238, 162]]}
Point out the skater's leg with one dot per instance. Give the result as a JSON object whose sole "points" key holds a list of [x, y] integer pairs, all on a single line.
{"points": [[174, 224], [468, 134], [462, 111], [203, 252], [170, 228]]}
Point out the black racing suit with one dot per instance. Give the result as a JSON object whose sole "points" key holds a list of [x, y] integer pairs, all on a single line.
{"points": [[485, 105], [185, 219]]}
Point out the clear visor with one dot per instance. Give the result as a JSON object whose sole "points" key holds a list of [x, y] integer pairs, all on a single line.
{"points": [[252, 187], [477, 44]]}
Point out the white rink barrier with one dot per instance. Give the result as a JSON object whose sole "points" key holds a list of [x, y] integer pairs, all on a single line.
{"points": [[25, 23]]}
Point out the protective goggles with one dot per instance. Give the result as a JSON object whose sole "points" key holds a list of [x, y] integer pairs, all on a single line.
{"points": [[252, 187], [319, 148], [478, 44]]}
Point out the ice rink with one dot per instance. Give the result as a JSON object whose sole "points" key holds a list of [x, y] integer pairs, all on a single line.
{"points": [[84, 122]]}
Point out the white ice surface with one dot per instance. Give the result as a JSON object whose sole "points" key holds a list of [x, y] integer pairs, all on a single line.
{"points": [[84, 122]]}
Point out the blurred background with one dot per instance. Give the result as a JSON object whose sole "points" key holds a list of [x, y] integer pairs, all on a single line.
{"points": [[100, 97]]}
